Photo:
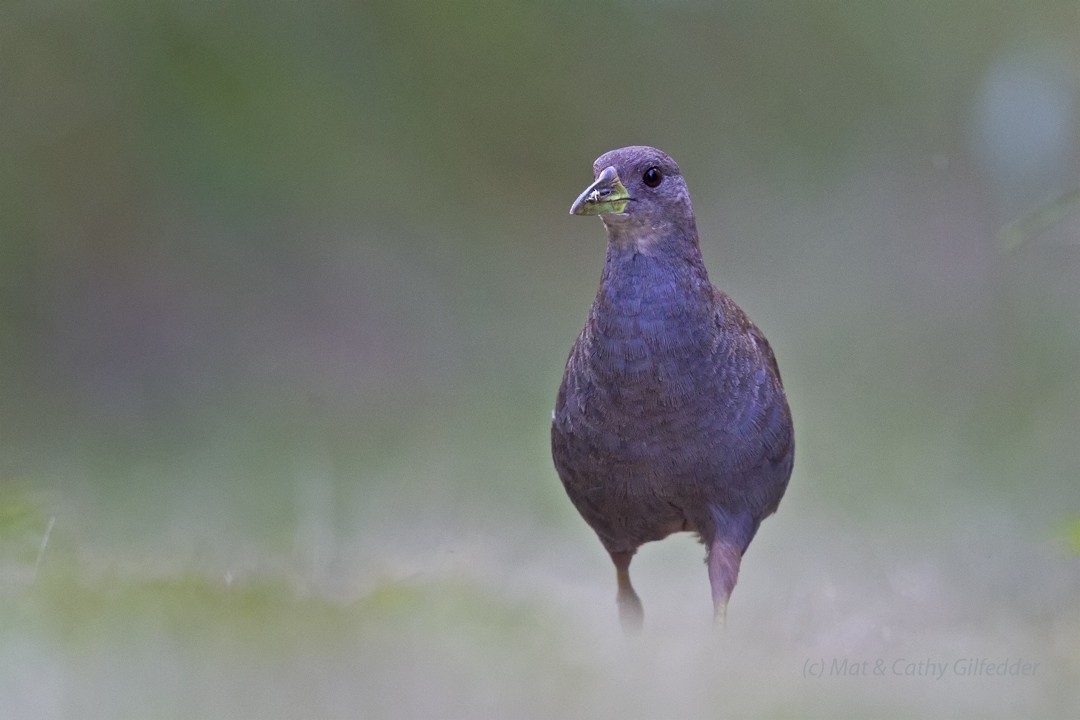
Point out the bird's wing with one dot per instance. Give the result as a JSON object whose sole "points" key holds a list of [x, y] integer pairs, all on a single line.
{"points": [[766, 415]]}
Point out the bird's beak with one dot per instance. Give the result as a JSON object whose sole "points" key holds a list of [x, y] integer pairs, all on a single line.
{"points": [[606, 195]]}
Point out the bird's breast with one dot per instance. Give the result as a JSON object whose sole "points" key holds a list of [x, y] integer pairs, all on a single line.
{"points": [[649, 337], [643, 376]]}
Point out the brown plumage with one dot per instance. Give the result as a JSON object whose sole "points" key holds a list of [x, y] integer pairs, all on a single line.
{"points": [[671, 415]]}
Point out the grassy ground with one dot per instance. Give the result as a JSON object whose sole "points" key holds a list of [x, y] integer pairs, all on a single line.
{"points": [[475, 613]]}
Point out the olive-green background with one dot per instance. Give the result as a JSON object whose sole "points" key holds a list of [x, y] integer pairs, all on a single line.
{"points": [[285, 294]]}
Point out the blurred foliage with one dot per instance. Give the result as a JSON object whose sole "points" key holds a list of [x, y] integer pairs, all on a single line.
{"points": [[1046, 216], [1072, 535], [285, 294]]}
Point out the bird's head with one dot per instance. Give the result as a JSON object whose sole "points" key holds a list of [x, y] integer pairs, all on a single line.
{"points": [[637, 189]]}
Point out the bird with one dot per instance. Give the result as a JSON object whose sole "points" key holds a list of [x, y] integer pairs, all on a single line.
{"points": [[671, 415]]}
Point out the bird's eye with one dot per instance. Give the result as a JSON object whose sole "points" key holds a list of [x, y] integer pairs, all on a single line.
{"points": [[652, 176]]}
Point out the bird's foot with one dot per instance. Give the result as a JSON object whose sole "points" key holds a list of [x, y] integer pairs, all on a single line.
{"points": [[631, 613], [720, 614]]}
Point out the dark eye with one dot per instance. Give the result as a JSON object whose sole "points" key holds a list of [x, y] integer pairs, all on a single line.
{"points": [[652, 176]]}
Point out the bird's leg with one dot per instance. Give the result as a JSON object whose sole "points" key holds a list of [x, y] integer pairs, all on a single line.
{"points": [[631, 613], [723, 560]]}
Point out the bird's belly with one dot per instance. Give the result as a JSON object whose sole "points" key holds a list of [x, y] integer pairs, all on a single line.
{"points": [[631, 485], [627, 510]]}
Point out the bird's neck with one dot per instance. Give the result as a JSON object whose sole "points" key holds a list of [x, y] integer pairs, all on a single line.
{"points": [[667, 269], [645, 294]]}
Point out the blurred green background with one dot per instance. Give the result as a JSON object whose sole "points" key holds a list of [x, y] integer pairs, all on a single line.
{"points": [[286, 290]]}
